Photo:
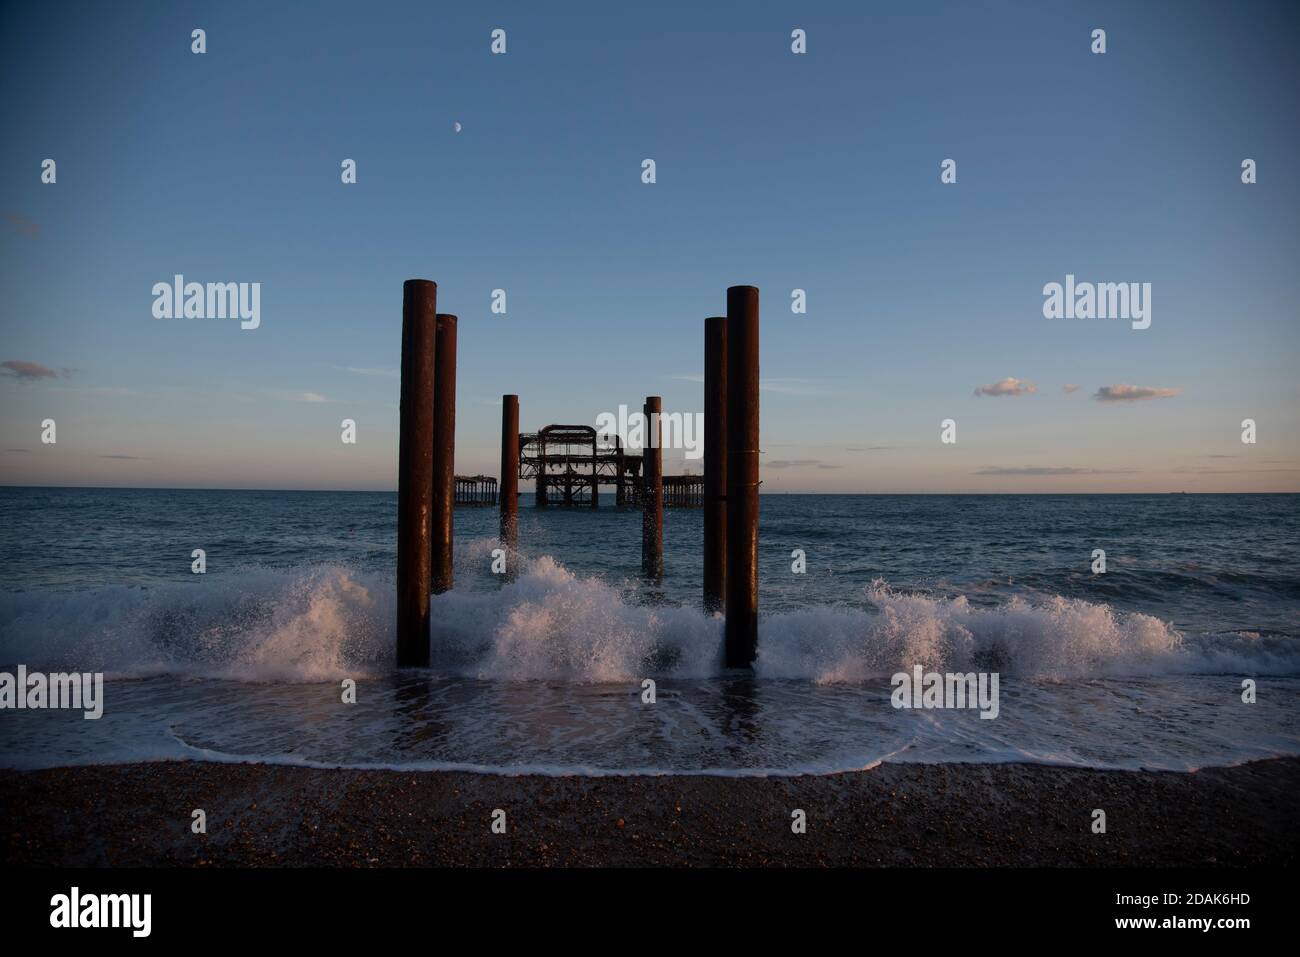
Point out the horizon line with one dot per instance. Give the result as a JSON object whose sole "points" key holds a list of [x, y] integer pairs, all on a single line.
{"points": [[393, 491]]}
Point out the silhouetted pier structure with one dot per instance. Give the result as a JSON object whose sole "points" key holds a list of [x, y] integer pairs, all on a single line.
{"points": [[476, 490], [683, 491], [568, 466]]}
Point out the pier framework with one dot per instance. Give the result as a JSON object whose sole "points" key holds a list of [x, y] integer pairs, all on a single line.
{"points": [[568, 466], [476, 490]]}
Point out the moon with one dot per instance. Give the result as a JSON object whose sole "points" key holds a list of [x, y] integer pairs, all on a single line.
{"points": [[456, 127]]}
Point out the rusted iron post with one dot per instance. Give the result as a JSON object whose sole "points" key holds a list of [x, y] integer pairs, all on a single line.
{"points": [[742, 477], [652, 498], [509, 489], [415, 471], [715, 463], [444, 454]]}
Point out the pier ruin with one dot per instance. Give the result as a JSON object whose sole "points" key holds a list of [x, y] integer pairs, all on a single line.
{"points": [[476, 491], [568, 464]]}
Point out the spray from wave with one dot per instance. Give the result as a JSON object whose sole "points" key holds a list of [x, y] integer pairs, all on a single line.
{"points": [[326, 622], [306, 625]]}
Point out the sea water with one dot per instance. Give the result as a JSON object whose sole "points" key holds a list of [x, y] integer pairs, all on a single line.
{"points": [[1142, 666]]}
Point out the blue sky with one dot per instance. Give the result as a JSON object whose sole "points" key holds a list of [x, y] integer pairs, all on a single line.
{"points": [[816, 171]]}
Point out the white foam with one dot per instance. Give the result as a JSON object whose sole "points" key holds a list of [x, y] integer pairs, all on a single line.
{"points": [[327, 622], [1059, 637], [549, 624], [311, 624]]}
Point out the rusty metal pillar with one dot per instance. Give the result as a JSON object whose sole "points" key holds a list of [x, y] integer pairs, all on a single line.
{"points": [[742, 477], [508, 491], [652, 498], [444, 454], [415, 471], [715, 463]]}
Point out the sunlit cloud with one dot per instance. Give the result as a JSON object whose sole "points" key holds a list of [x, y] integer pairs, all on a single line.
{"points": [[1201, 470], [25, 371], [1044, 470], [800, 464], [1132, 393], [299, 396], [1008, 386]]}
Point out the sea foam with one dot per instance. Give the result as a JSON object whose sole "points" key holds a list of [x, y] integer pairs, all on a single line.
{"points": [[326, 622]]}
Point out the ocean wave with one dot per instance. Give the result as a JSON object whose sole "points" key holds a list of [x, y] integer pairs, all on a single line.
{"points": [[312, 624], [326, 622]]}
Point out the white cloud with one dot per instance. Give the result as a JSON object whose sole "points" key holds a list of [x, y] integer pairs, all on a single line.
{"points": [[299, 397], [1008, 386]]}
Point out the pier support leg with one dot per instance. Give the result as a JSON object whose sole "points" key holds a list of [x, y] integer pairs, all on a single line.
{"points": [[444, 453], [415, 471], [619, 498], [652, 499], [742, 477], [509, 489], [715, 463], [541, 493]]}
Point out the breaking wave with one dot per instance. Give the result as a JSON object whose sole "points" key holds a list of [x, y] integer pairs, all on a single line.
{"points": [[325, 622]]}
